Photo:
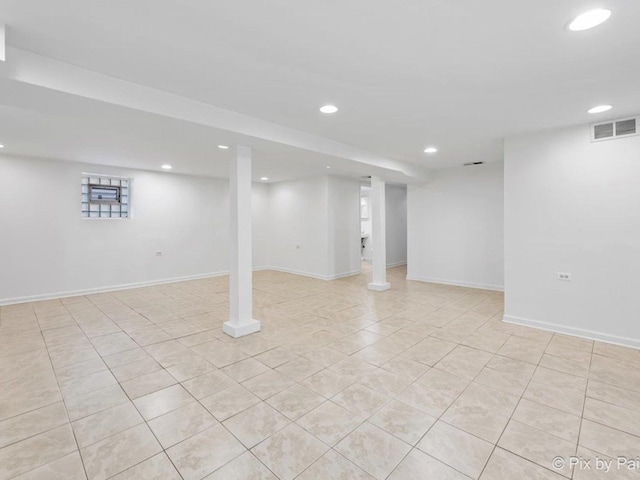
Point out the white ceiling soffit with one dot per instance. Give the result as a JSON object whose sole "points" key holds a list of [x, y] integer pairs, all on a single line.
{"points": [[33, 69], [44, 123]]}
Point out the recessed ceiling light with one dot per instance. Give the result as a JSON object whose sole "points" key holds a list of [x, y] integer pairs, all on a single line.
{"points": [[600, 109], [329, 109], [166, 167], [589, 19], [223, 147], [328, 166], [1, 146], [264, 179], [430, 150]]}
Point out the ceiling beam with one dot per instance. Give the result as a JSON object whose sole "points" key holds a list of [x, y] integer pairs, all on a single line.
{"points": [[45, 72]]}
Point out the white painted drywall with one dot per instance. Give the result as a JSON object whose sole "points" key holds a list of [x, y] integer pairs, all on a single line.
{"points": [[260, 227], [314, 226], [309, 226], [298, 229], [396, 222], [573, 206], [344, 226], [47, 249], [455, 227]]}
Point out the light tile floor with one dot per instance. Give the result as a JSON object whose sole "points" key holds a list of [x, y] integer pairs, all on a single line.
{"points": [[422, 381]]}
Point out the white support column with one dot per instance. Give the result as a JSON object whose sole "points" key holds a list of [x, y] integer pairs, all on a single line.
{"points": [[378, 236], [2, 42], [241, 320]]}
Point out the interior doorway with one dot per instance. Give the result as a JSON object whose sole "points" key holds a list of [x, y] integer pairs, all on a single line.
{"points": [[396, 225], [366, 240]]}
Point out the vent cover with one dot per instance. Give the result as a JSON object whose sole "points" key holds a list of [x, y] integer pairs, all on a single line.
{"points": [[614, 129], [626, 127], [604, 130], [469, 164]]}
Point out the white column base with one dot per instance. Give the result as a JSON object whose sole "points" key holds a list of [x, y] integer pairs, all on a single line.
{"points": [[235, 331], [379, 287]]}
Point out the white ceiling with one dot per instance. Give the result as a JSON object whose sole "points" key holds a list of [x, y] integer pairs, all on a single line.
{"points": [[460, 75]]}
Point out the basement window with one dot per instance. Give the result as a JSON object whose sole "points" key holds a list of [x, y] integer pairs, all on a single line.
{"points": [[102, 194], [105, 196]]}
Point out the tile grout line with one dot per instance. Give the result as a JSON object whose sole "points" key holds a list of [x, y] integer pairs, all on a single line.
{"points": [[584, 403], [514, 410], [75, 439]]}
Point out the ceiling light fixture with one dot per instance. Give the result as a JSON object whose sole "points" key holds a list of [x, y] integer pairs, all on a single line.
{"points": [[589, 19], [223, 147], [600, 109], [264, 179], [1, 146], [329, 109], [328, 166], [166, 167], [430, 150]]}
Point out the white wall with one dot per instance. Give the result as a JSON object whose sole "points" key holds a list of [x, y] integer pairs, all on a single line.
{"points": [[315, 226], [396, 223], [573, 206], [47, 249], [261, 225], [309, 226], [455, 227], [299, 226]]}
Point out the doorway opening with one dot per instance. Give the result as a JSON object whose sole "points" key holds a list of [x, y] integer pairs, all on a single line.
{"points": [[366, 240]]}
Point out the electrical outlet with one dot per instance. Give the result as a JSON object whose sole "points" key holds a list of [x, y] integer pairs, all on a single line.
{"points": [[565, 277], [158, 253]]}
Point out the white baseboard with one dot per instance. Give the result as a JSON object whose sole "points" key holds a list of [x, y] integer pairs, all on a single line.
{"points": [[389, 265], [150, 283], [574, 332], [396, 264], [111, 288], [457, 283], [314, 275], [345, 274], [261, 269]]}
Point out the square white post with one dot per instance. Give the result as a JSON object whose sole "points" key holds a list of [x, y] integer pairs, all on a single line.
{"points": [[2, 43], [241, 320], [378, 236]]}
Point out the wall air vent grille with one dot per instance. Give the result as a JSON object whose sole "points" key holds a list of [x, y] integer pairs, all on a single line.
{"points": [[626, 127], [614, 129], [602, 131]]}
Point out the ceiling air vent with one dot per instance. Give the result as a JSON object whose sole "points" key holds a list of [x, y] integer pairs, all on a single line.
{"points": [[468, 164], [614, 129]]}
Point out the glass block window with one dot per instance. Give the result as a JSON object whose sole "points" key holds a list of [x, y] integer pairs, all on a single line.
{"points": [[105, 197]]}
